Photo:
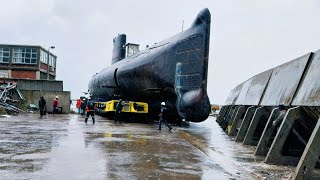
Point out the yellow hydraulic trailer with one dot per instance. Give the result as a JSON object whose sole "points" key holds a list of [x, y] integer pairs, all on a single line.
{"points": [[130, 109]]}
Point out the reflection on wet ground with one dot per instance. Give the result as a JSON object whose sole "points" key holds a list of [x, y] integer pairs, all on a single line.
{"points": [[64, 147], [237, 159]]}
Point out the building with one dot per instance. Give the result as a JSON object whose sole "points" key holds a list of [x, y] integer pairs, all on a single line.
{"points": [[33, 70], [27, 62]]}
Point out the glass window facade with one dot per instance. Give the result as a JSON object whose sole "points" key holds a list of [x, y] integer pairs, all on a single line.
{"points": [[43, 56], [4, 55], [52, 61], [25, 55]]}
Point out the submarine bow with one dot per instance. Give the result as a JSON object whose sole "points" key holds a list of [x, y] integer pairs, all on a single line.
{"points": [[174, 70]]}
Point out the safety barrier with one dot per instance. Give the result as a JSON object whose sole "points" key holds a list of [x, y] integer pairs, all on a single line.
{"points": [[251, 113]]}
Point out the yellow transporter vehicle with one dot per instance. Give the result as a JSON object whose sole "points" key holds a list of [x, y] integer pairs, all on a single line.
{"points": [[130, 111]]}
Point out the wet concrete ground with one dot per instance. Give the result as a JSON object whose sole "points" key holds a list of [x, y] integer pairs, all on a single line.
{"points": [[64, 147]]}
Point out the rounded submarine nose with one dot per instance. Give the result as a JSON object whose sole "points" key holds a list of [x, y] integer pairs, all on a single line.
{"points": [[204, 16], [194, 106]]}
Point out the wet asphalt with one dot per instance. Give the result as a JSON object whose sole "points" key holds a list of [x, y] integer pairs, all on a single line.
{"points": [[64, 147]]}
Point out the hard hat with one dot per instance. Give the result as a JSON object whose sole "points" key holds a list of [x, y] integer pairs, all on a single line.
{"points": [[89, 97], [57, 97], [163, 103]]}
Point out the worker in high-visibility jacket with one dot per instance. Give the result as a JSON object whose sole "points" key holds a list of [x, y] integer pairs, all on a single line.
{"points": [[55, 105], [78, 105], [90, 110]]}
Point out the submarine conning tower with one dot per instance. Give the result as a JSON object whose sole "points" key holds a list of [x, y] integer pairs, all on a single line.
{"points": [[119, 49]]}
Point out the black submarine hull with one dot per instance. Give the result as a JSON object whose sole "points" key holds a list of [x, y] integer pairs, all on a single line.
{"points": [[174, 71]]}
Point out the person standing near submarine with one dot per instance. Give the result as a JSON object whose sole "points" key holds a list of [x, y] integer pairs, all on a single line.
{"points": [[42, 106], [90, 110], [117, 114], [161, 119]]}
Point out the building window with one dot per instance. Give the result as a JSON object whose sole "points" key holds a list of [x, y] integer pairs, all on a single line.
{"points": [[52, 61], [43, 57], [25, 55], [4, 55]]}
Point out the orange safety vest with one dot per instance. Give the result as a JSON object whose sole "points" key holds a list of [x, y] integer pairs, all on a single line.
{"points": [[78, 103]]}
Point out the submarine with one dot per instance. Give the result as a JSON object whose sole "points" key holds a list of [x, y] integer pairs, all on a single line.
{"points": [[174, 71]]}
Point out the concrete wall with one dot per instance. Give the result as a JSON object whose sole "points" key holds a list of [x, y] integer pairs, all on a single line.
{"points": [[32, 97], [36, 85], [296, 136], [283, 84], [234, 94]]}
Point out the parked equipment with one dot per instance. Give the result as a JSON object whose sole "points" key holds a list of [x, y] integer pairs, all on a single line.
{"points": [[131, 110]]}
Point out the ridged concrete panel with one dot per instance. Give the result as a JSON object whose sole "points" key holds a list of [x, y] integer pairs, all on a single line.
{"points": [[243, 92], [284, 82], [309, 91], [233, 95], [257, 87]]}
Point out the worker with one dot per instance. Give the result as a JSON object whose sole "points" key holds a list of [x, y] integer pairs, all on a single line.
{"points": [[83, 106], [78, 105], [117, 115], [281, 116], [162, 119], [42, 106], [90, 110], [55, 105]]}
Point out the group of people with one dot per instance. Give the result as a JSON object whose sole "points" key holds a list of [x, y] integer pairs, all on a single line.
{"points": [[85, 105], [43, 106], [89, 108], [81, 105]]}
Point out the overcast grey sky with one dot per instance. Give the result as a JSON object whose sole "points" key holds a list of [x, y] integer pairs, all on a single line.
{"points": [[247, 36]]}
